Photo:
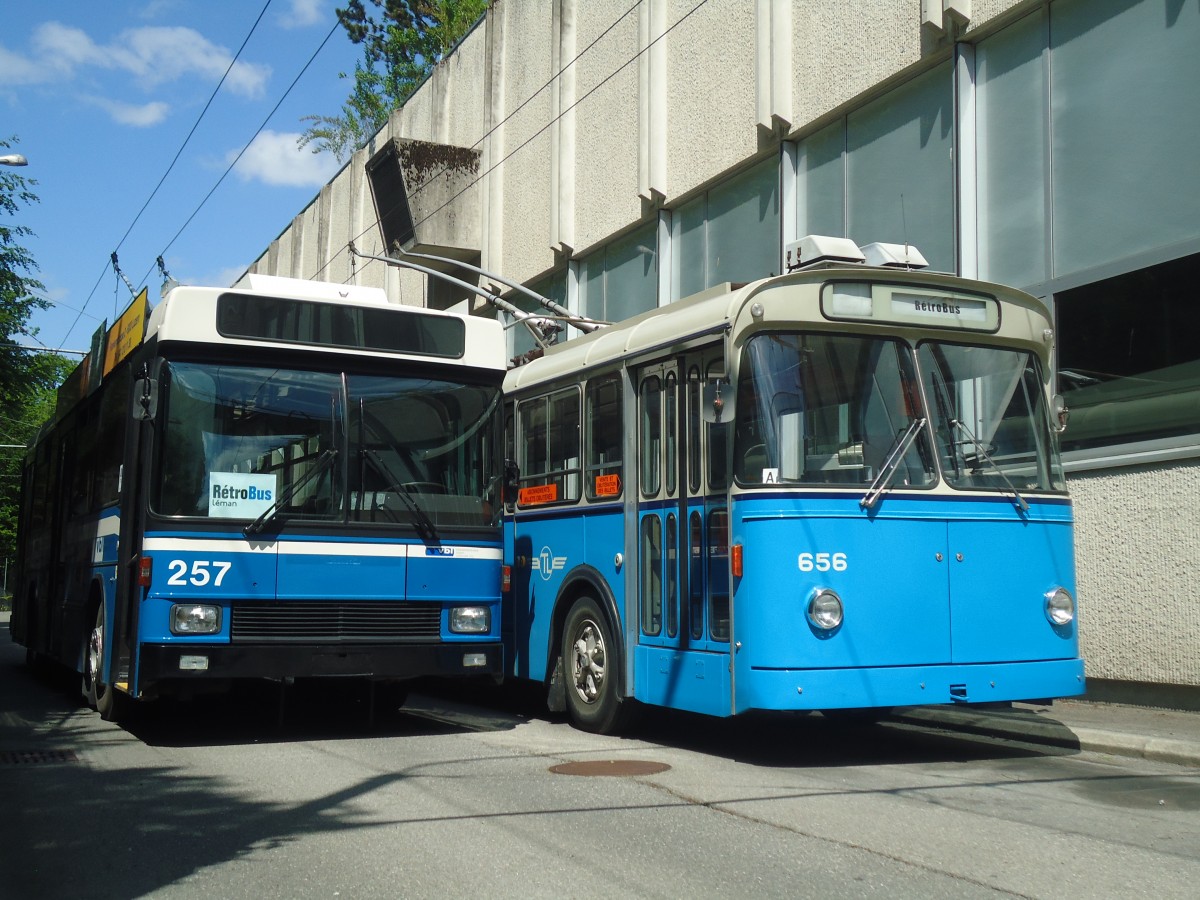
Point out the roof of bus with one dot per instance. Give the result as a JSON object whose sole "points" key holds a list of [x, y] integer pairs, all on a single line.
{"points": [[188, 313], [712, 310]]}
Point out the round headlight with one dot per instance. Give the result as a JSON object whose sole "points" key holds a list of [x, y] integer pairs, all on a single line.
{"points": [[825, 609], [1060, 607]]}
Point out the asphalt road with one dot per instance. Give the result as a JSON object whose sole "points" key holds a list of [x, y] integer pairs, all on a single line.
{"points": [[450, 797]]}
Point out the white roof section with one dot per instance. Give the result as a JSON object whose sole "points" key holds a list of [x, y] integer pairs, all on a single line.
{"points": [[1024, 318], [304, 289], [189, 313]]}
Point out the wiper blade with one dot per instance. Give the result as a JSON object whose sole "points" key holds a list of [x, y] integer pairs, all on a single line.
{"points": [[324, 461], [982, 450], [888, 470], [420, 519]]}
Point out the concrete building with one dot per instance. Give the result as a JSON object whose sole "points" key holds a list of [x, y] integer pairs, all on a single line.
{"points": [[618, 154]]}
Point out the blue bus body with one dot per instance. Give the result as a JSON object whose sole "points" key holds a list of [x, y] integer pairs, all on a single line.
{"points": [[872, 514], [287, 481]]}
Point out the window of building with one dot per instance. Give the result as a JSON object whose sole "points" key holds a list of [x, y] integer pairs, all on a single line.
{"points": [[1128, 361], [619, 280], [886, 171], [1011, 133], [552, 287], [730, 233], [1125, 126], [900, 168], [1112, 82]]}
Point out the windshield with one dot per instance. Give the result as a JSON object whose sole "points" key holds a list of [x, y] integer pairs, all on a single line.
{"points": [[263, 444], [987, 406], [829, 409]]}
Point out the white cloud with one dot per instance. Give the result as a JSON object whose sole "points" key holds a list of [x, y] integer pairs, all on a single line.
{"points": [[219, 278], [302, 13], [142, 116], [153, 54], [273, 158], [17, 69]]}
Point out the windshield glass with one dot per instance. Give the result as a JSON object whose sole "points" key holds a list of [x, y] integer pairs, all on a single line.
{"points": [[243, 442], [987, 405], [828, 409]]}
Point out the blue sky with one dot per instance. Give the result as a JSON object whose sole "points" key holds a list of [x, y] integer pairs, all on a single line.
{"points": [[102, 95]]}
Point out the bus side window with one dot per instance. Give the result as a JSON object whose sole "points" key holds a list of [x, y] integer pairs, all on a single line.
{"points": [[113, 416], [717, 439], [602, 408], [650, 442], [550, 451]]}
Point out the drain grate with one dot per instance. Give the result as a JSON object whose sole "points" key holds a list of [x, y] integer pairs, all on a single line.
{"points": [[36, 757], [621, 768]]}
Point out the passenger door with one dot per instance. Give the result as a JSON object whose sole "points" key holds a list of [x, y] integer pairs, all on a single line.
{"points": [[681, 556]]}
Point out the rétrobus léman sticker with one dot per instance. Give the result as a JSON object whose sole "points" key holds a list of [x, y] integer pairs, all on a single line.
{"points": [[236, 495]]}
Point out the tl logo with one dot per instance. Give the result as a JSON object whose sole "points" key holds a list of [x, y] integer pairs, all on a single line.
{"points": [[547, 563]]}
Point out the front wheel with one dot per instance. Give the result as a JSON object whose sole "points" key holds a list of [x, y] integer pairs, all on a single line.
{"points": [[590, 665], [99, 696]]}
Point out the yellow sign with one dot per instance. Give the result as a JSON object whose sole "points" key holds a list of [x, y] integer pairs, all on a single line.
{"points": [[127, 332]]}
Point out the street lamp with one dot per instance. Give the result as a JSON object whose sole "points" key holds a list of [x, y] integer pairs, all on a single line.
{"points": [[13, 159]]}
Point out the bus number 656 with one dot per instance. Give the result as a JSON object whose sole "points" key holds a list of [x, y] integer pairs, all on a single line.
{"points": [[823, 562]]}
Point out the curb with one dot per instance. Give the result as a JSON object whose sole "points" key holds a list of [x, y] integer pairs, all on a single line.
{"points": [[1027, 727]]}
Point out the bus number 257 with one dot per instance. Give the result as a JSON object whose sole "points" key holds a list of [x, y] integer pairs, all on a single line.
{"points": [[823, 562], [203, 572]]}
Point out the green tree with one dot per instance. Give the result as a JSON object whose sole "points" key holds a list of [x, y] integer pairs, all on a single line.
{"points": [[402, 41], [27, 380]]}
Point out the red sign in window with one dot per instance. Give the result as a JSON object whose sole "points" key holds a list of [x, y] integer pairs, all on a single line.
{"points": [[538, 493], [608, 485]]}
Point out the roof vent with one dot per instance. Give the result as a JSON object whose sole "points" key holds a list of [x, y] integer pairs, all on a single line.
{"points": [[894, 256], [817, 248]]}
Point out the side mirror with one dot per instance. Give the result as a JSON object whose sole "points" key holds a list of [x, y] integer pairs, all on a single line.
{"points": [[145, 399], [512, 475], [1059, 414], [716, 403]]}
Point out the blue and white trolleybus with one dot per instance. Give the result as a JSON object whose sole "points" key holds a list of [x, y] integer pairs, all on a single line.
{"points": [[286, 481], [836, 489]]}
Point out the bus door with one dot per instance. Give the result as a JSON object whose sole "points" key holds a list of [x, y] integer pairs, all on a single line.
{"points": [[681, 559]]}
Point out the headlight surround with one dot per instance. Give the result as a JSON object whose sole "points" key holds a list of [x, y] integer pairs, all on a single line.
{"points": [[195, 618], [1060, 607], [825, 610], [470, 620]]}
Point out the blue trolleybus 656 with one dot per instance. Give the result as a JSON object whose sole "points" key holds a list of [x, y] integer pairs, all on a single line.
{"points": [[292, 480], [836, 489]]}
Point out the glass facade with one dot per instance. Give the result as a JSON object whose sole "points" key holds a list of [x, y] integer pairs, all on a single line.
{"points": [[1082, 121]]}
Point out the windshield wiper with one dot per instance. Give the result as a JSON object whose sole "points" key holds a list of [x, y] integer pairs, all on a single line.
{"points": [[420, 519], [888, 470], [982, 451], [324, 461]]}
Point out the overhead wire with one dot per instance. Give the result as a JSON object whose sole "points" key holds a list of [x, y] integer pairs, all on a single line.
{"points": [[541, 130], [170, 167], [242, 152], [578, 56]]}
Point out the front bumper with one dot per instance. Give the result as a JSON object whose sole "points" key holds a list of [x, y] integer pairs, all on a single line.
{"points": [[162, 662]]}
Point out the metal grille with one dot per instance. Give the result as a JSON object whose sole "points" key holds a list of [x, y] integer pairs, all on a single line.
{"points": [[36, 757], [344, 622]]}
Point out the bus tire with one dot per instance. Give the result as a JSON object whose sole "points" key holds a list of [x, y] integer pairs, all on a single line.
{"points": [[590, 665], [98, 695]]}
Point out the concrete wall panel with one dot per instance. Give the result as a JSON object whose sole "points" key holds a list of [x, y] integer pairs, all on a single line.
{"points": [[1137, 572]]}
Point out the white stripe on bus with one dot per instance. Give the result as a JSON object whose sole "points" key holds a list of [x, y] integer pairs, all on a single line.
{"points": [[316, 548]]}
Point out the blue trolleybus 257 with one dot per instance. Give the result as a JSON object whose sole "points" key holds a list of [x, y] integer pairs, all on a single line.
{"points": [[287, 481], [835, 489]]}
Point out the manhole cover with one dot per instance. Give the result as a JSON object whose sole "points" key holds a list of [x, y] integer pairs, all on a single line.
{"points": [[620, 768], [36, 757]]}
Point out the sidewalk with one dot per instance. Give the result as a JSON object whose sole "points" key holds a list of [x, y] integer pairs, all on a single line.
{"points": [[1155, 734]]}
